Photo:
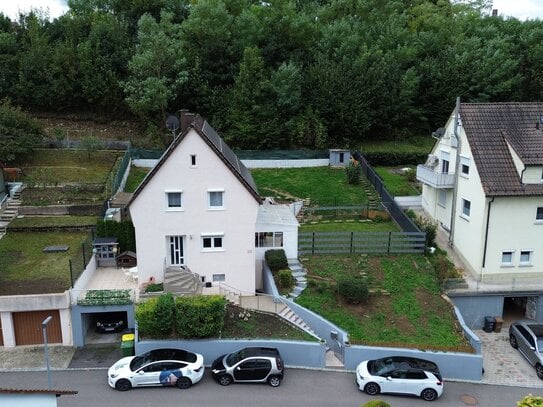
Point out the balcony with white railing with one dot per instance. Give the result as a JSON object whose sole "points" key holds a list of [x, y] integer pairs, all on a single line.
{"points": [[435, 179]]}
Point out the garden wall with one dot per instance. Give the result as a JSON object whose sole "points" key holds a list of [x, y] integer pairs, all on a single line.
{"points": [[294, 353]]}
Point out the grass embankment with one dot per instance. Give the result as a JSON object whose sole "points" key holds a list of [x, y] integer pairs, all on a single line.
{"points": [[52, 221]]}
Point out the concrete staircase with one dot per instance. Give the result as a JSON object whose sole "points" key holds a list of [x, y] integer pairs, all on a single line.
{"points": [[291, 317], [300, 281], [180, 280], [10, 211]]}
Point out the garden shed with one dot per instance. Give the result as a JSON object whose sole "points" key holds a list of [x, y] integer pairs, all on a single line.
{"points": [[339, 157], [105, 250], [127, 259]]}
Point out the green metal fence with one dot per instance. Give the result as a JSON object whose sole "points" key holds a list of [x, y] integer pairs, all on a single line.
{"points": [[78, 262]]}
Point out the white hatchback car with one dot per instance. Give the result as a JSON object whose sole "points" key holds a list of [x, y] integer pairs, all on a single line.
{"points": [[159, 367], [401, 375]]}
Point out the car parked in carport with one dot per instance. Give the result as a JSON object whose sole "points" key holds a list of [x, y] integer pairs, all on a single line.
{"points": [[249, 365], [527, 337]]}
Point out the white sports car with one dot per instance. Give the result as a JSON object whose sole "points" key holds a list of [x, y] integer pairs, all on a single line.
{"points": [[159, 367], [401, 375]]}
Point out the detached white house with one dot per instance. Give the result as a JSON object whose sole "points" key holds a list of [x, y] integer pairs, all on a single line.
{"points": [[483, 185], [196, 214]]}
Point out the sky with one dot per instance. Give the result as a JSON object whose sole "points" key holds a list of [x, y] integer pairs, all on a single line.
{"points": [[521, 9]]}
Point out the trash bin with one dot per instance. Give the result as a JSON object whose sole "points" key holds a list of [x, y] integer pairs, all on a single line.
{"points": [[490, 324], [127, 345], [499, 323]]}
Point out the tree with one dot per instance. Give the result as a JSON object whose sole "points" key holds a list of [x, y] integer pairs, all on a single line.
{"points": [[90, 144], [157, 69], [19, 134]]}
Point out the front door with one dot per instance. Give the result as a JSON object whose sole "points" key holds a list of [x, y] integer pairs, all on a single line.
{"points": [[176, 255]]}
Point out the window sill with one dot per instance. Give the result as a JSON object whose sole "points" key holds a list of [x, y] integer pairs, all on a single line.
{"points": [[525, 265], [218, 208], [442, 206], [507, 266], [211, 250], [466, 218], [538, 222], [175, 210]]}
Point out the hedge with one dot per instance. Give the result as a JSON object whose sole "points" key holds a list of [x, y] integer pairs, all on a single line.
{"points": [[393, 158], [199, 316]]}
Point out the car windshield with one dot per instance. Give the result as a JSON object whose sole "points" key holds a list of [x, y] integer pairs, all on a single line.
{"points": [[381, 367], [234, 357], [138, 362]]}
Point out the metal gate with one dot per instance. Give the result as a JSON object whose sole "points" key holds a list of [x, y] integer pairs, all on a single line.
{"points": [[28, 329]]}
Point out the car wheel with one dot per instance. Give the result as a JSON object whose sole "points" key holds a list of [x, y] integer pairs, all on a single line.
{"points": [[428, 394], [183, 383], [513, 341], [225, 380], [274, 381], [123, 385], [539, 371], [372, 389]]}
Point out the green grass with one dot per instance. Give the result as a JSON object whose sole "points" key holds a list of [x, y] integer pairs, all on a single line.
{"points": [[324, 185], [422, 144], [52, 221], [405, 309], [136, 175], [26, 269], [54, 166], [397, 184], [355, 226]]}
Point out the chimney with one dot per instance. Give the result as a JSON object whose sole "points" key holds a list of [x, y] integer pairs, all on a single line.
{"points": [[186, 119], [495, 12]]}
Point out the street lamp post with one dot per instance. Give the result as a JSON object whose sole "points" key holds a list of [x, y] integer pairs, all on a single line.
{"points": [[44, 327]]}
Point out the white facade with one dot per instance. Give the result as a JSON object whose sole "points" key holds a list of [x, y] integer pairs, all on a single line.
{"points": [[498, 237], [194, 170]]}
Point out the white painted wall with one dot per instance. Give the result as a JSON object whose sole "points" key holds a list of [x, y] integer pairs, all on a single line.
{"points": [[533, 174], [28, 400], [237, 221]]}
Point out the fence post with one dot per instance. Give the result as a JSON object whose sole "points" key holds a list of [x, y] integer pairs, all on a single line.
{"points": [[71, 272], [389, 238], [83, 252], [352, 236], [313, 243]]}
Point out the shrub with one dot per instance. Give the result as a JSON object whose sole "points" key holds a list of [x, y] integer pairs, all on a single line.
{"points": [[276, 259], [354, 173], [200, 316], [376, 403], [285, 279], [411, 175], [353, 289], [530, 401], [145, 316], [153, 288], [428, 227], [164, 315]]}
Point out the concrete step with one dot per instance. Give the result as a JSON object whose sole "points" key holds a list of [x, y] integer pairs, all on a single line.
{"points": [[297, 274]]}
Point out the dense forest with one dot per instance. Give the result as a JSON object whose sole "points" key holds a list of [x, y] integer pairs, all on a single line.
{"points": [[275, 73]]}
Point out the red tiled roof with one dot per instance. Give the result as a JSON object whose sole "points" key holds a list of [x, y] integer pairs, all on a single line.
{"points": [[39, 391], [490, 129]]}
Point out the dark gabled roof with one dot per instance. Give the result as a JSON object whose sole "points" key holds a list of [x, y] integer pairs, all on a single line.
{"points": [[217, 144], [38, 391], [490, 129]]}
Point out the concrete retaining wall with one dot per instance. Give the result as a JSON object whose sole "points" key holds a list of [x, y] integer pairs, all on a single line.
{"points": [[294, 353]]}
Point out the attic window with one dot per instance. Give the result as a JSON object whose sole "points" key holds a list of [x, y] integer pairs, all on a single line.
{"points": [[193, 160]]}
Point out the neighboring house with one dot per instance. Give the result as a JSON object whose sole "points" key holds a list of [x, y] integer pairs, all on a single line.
{"points": [[197, 210], [33, 397], [483, 185]]}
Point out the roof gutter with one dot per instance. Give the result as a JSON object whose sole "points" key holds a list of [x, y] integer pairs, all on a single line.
{"points": [[486, 230], [456, 169]]}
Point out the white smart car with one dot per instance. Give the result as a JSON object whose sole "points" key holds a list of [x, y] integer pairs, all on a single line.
{"points": [[400, 375], [159, 367]]}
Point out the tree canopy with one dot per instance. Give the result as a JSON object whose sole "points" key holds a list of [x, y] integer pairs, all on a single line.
{"points": [[273, 74]]}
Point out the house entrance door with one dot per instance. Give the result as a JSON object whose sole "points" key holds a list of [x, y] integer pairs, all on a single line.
{"points": [[176, 245]]}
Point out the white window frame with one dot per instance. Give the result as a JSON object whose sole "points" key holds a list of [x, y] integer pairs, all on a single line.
{"points": [[528, 262], [219, 278], [276, 237], [442, 198], [167, 196], [463, 214], [445, 158], [193, 158], [508, 263], [213, 207], [464, 162], [539, 220], [213, 236]]}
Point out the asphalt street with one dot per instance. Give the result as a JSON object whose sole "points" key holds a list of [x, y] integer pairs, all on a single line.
{"points": [[300, 388]]}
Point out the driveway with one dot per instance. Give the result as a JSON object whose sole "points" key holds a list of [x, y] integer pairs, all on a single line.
{"points": [[504, 365]]}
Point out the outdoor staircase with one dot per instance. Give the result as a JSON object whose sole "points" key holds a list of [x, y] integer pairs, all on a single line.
{"points": [[10, 211], [180, 280], [291, 317], [300, 281]]}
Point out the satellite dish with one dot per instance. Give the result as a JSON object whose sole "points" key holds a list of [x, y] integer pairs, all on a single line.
{"points": [[172, 123]]}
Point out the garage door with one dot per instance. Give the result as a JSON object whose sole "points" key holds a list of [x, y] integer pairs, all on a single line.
{"points": [[28, 329]]}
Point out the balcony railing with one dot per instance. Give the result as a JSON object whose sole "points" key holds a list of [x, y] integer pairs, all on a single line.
{"points": [[428, 176]]}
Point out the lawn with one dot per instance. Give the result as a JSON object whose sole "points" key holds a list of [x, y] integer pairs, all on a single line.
{"points": [[350, 226], [26, 269], [322, 185], [59, 166], [52, 221], [397, 182], [404, 308], [135, 176]]}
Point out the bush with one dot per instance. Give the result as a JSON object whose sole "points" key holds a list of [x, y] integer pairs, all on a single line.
{"points": [[123, 231], [285, 279], [145, 316], [154, 288], [354, 173], [276, 259], [200, 316], [530, 401], [376, 403], [353, 289], [428, 227], [164, 315]]}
